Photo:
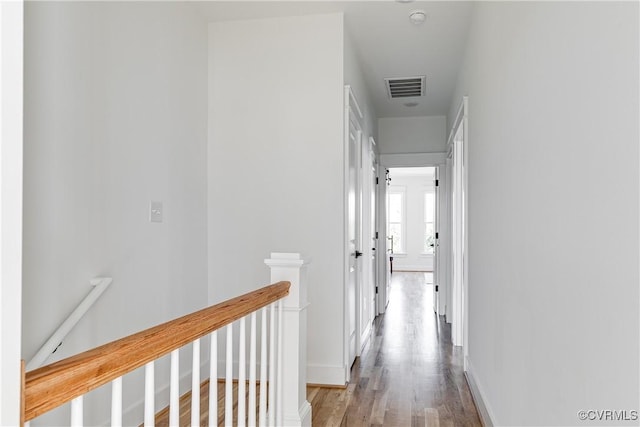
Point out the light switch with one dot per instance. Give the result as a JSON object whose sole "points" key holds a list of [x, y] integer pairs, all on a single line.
{"points": [[155, 211]]}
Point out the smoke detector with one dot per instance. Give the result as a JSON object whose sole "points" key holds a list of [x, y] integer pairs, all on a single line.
{"points": [[417, 17]]}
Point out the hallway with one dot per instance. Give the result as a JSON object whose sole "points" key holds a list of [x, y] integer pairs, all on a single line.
{"points": [[408, 375]]}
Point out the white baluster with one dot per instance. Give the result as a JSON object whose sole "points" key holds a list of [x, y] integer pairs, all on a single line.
{"points": [[293, 409], [252, 372], [228, 382], [242, 376], [116, 402], [76, 412], [213, 380], [272, 365], [174, 391], [195, 385], [262, 419], [149, 395], [279, 382]]}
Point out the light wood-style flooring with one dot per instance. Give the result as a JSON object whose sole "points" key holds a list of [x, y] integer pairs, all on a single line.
{"points": [[409, 374]]}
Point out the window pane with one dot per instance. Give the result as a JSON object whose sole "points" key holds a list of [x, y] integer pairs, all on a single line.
{"points": [[429, 206], [395, 207], [429, 237], [395, 231]]}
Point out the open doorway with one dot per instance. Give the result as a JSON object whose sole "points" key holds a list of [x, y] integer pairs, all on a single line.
{"points": [[432, 168], [411, 223], [411, 218]]}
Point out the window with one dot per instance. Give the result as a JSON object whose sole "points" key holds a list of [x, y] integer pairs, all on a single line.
{"points": [[396, 218], [429, 214]]}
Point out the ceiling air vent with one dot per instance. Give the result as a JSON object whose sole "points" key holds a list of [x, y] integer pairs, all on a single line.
{"points": [[405, 87]]}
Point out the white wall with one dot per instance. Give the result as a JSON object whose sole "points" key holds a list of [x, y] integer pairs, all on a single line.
{"points": [[115, 116], [276, 165], [11, 72], [425, 134], [553, 208], [413, 258], [354, 77]]}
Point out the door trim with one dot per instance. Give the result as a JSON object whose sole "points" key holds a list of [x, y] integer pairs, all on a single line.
{"points": [[386, 161], [460, 321]]}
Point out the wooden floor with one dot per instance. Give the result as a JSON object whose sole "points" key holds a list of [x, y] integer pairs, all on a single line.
{"points": [[408, 375], [162, 417]]}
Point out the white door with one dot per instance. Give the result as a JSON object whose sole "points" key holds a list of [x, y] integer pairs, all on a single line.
{"points": [[373, 235], [353, 235], [366, 272], [456, 256], [436, 244], [388, 247], [459, 238], [444, 237], [367, 279]]}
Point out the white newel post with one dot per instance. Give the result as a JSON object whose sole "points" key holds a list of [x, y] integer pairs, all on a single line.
{"points": [[291, 267]]}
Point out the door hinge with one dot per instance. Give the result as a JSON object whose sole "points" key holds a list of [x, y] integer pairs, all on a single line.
{"points": [[437, 182], [436, 234], [376, 234], [376, 289], [376, 180], [436, 288]]}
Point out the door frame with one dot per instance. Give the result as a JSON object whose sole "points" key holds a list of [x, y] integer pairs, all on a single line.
{"points": [[438, 229], [353, 112], [381, 226], [386, 161], [458, 148], [11, 169]]}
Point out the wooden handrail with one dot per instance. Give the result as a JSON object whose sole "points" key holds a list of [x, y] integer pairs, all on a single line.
{"points": [[53, 385]]}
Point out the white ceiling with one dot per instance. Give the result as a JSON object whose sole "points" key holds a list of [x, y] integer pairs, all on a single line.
{"points": [[388, 44]]}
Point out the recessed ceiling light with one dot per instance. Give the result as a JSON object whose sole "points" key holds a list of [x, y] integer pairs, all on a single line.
{"points": [[410, 104], [418, 17]]}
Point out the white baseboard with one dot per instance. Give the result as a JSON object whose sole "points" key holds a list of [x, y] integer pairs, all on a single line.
{"points": [[222, 368], [316, 374], [365, 338], [326, 374], [477, 394]]}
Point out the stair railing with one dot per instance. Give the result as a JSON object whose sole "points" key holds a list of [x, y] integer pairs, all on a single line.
{"points": [[281, 398], [100, 284]]}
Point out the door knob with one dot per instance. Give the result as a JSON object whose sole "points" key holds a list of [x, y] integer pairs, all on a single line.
{"points": [[358, 254]]}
